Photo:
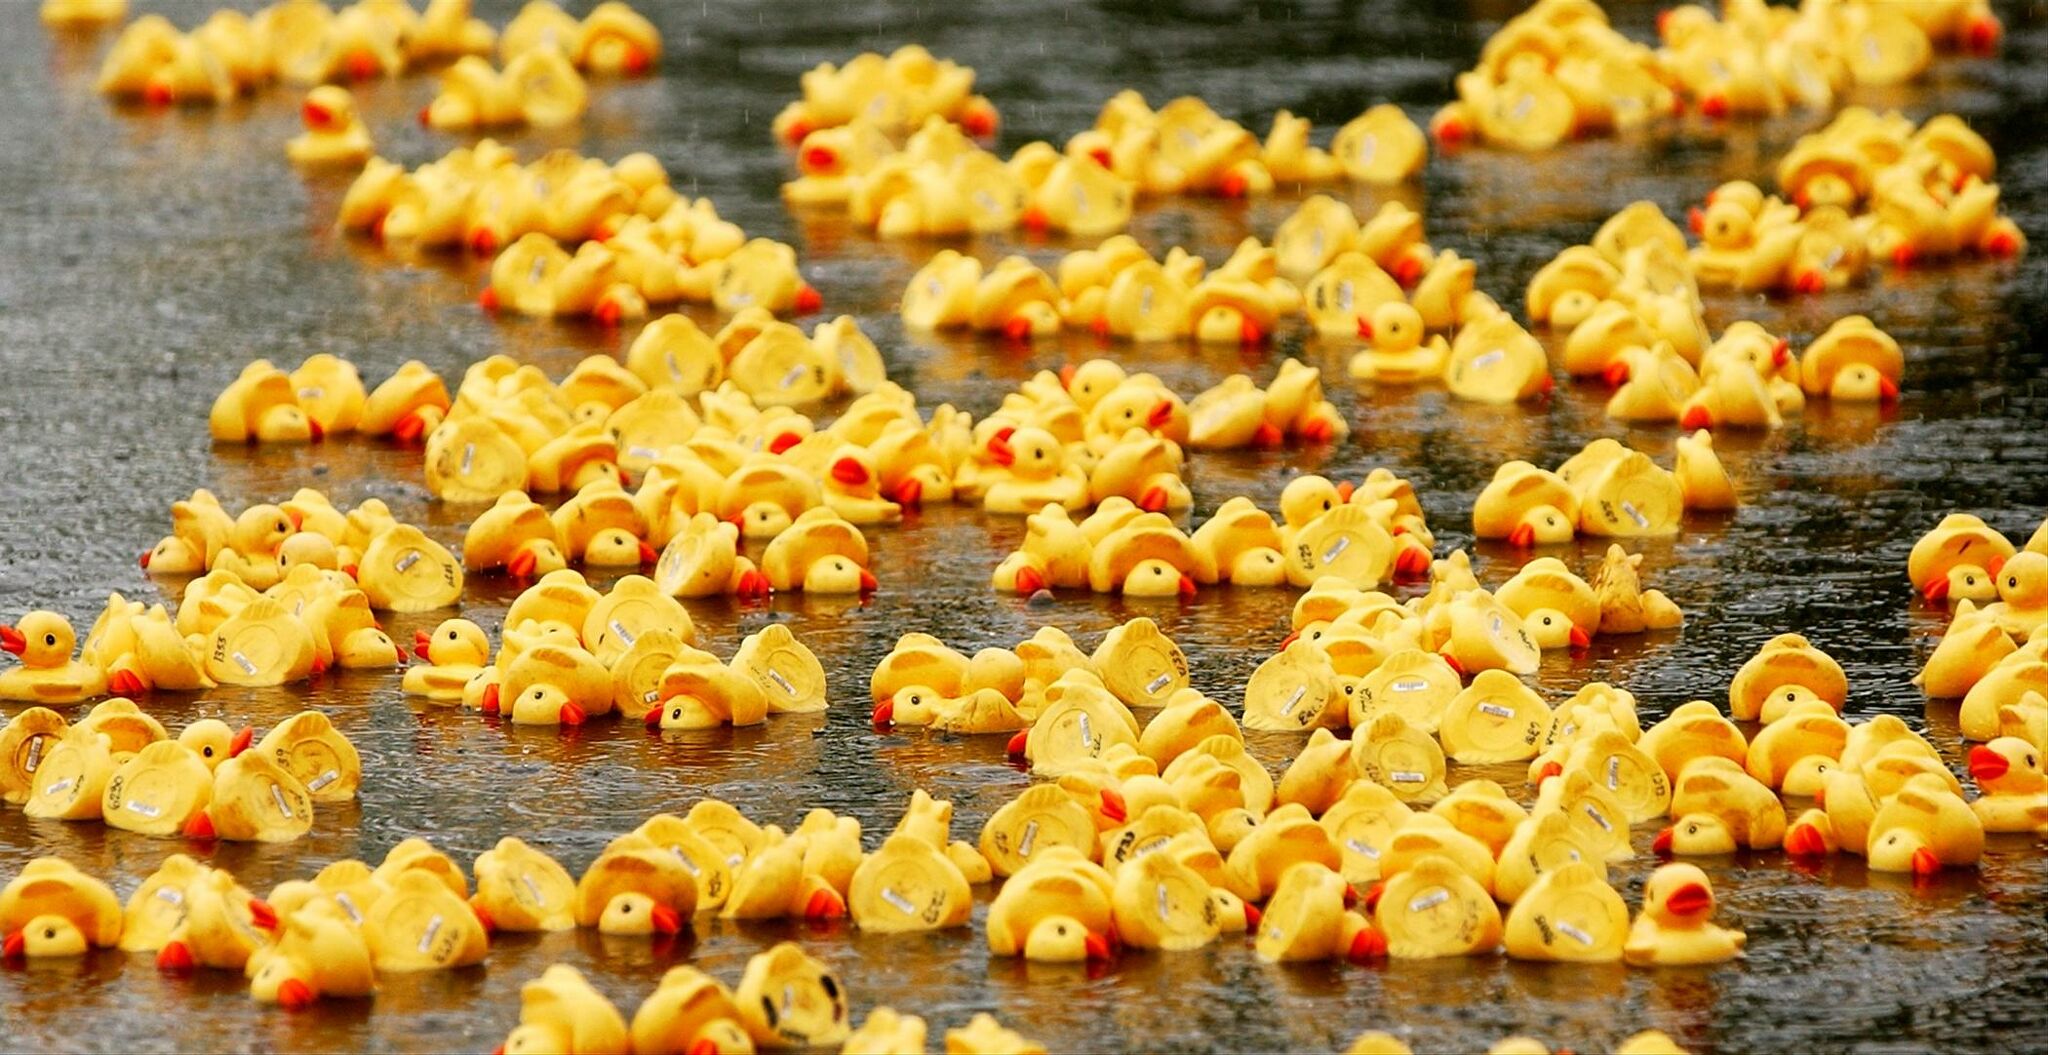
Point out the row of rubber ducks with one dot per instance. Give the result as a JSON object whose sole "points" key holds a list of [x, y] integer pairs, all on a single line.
{"points": [[1559, 70], [1909, 194], [569, 653], [1991, 656], [941, 182], [306, 42], [691, 1011], [324, 396], [539, 87], [1365, 535], [396, 566], [896, 94], [120, 767], [1607, 490], [1747, 378]]}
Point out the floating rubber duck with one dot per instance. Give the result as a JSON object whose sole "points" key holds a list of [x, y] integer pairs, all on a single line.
{"points": [[559, 1011], [1495, 719], [909, 884], [44, 641], [50, 908], [2013, 796], [520, 888], [1625, 607], [690, 1010], [1674, 928], [1058, 909], [334, 135], [157, 790], [789, 999], [1401, 352], [262, 644], [1400, 757], [1785, 671], [1307, 920], [1924, 828], [320, 952], [1943, 566], [1433, 909], [1717, 808], [260, 406], [1527, 506], [1568, 915], [635, 887], [254, 800], [223, 926]]}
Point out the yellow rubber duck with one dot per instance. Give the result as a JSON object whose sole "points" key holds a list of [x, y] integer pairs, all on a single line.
{"points": [[787, 998], [1785, 671], [690, 1011], [157, 907], [333, 135], [773, 883], [1675, 928], [43, 641], [320, 952], [72, 776], [1527, 506], [1924, 828], [1958, 560], [82, 14], [51, 909], [421, 925], [328, 387], [1718, 808], [1633, 778], [157, 790], [222, 927], [1794, 752], [787, 672], [1495, 719], [559, 1011], [1569, 915], [260, 406], [1545, 840], [1401, 352], [1558, 608], [1969, 650], [25, 741], [1434, 909], [1412, 683], [1056, 910], [516, 536], [1494, 360], [2013, 795], [636, 887], [1694, 730], [909, 884], [445, 660], [520, 888], [310, 748], [1039, 819], [1625, 607], [254, 800], [821, 552], [1308, 920]]}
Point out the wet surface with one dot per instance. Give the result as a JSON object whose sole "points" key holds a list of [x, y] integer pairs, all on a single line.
{"points": [[145, 257]]}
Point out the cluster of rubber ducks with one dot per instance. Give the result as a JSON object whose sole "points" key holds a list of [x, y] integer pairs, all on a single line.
{"points": [[1992, 652], [941, 182], [306, 42], [1559, 70], [324, 396], [1749, 378], [1756, 59], [539, 87], [569, 653], [1899, 193], [1544, 604], [119, 766], [896, 94], [691, 1011], [1633, 283], [1607, 490], [1369, 533], [635, 240], [304, 544], [1646, 1042]]}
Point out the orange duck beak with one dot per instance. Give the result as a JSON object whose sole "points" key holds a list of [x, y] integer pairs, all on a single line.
{"points": [[885, 712], [12, 640], [1986, 764]]}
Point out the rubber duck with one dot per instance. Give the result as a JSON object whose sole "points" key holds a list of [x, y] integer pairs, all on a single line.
{"points": [[328, 387], [1625, 607], [1675, 928], [1527, 506], [1495, 719], [1319, 774], [909, 884], [772, 883], [157, 790], [1570, 915], [262, 644], [1717, 808], [516, 536], [2022, 605], [1139, 664], [789, 999], [1307, 920], [1558, 608], [2005, 683], [1361, 823], [260, 406], [254, 800], [1634, 779], [1968, 650], [421, 925], [310, 748], [1924, 828], [43, 641], [1794, 752], [473, 460], [50, 908], [221, 928], [787, 673], [333, 135], [922, 660], [1943, 567], [1415, 684], [25, 741], [1487, 635], [320, 952], [1041, 818], [690, 1011], [1039, 474], [559, 1011], [1434, 909], [635, 887], [1785, 671], [1541, 842], [1058, 910], [1390, 752], [2013, 796], [820, 553], [157, 907], [407, 405], [82, 13], [1380, 146], [1694, 730], [1494, 360], [69, 781], [520, 888], [446, 660], [1401, 352]]}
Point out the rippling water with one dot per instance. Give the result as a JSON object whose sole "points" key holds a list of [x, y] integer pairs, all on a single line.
{"points": [[145, 257]]}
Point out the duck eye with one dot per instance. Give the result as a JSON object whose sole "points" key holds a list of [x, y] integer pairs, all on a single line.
{"points": [[538, 694], [1326, 503], [49, 639], [2012, 581], [830, 986], [281, 525], [451, 635], [207, 751]]}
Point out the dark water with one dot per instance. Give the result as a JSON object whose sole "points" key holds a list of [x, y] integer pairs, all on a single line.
{"points": [[145, 257]]}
